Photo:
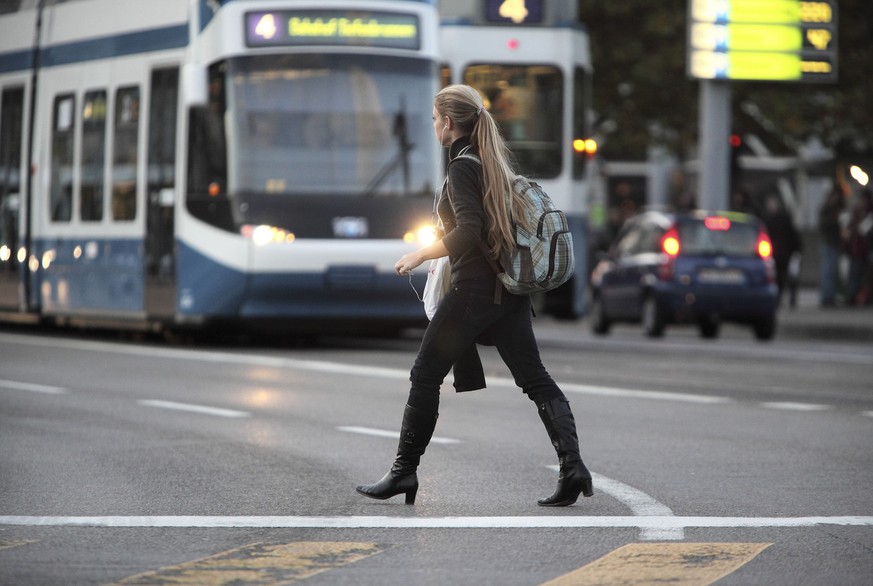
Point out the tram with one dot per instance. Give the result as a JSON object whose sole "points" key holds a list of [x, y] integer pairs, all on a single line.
{"points": [[173, 164], [531, 61]]}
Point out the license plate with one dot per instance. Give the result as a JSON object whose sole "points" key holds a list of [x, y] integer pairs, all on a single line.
{"points": [[721, 276]]}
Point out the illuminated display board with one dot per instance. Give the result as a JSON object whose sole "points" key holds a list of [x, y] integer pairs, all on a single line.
{"points": [[514, 11], [332, 27], [768, 40]]}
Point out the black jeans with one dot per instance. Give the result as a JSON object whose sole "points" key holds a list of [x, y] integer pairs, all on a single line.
{"points": [[467, 313]]}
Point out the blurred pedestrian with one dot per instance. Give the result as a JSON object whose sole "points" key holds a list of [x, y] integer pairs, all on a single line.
{"points": [[686, 202], [859, 247], [831, 246], [476, 214], [743, 202], [786, 243]]}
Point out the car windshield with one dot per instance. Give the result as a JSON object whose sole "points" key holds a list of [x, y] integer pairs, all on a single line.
{"points": [[721, 236]]}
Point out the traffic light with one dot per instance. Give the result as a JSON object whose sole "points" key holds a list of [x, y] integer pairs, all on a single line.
{"points": [[736, 143]]}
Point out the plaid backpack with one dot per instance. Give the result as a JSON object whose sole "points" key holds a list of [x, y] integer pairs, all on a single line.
{"points": [[543, 259]]}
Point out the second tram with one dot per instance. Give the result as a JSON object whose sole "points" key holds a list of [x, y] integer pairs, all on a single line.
{"points": [[531, 62]]}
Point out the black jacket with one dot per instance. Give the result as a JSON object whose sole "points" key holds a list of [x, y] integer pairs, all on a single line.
{"points": [[461, 211]]}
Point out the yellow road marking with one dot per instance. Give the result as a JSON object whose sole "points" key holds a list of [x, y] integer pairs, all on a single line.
{"points": [[263, 564], [6, 544], [677, 564]]}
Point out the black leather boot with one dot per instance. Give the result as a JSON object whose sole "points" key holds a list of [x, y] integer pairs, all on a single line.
{"points": [[574, 477], [415, 434]]}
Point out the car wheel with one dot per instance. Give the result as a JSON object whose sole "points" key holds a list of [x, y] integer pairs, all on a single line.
{"points": [[709, 328], [765, 329], [599, 323], [653, 318]]}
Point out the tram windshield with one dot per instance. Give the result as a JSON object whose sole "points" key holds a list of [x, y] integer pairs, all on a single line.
{"points": [[310, 124], [527, 103]]}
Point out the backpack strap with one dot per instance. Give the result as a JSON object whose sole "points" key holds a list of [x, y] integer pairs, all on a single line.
{"points": [[498, 286]]}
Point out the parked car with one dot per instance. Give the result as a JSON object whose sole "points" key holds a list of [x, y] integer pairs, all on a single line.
{"points": [[701, 267]]}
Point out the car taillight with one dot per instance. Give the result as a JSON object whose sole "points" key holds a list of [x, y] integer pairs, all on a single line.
{"points": [[765, 248], [719, 223], [670, 246], [765, 251], [670, 242]]}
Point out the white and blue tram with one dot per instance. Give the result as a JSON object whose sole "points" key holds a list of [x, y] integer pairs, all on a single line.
{"points": [[531, 61], [170, 163]]}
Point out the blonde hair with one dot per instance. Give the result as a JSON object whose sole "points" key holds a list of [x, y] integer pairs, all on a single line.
{"points": [[464, 106]]}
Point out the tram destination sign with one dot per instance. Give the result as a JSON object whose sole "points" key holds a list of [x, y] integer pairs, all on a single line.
{"points": [[332, 27], [764, 40]]}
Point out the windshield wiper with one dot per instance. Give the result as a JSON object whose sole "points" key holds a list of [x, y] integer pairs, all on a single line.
{"points": [[401, 159]]}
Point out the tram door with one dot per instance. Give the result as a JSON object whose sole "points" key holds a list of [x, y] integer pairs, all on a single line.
{"points": [[11, 119], [160, 249]]}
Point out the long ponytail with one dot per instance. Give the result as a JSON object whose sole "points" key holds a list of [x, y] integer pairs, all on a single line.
{"points": [[464, 106]]}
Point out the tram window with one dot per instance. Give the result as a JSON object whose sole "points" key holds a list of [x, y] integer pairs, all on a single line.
{"points": [[207, 197], [445, 75], [207, 149], [162, 130], [126, 148], [93, 155], [527, 103], [61, 193], [580, 126], [11, 117], [161, 175]]}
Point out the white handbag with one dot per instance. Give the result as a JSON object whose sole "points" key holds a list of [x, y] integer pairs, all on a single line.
{"points": [[439, 280], [439, 272]]}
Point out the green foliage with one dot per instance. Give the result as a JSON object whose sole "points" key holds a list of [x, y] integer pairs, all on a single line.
{"points": [[643, 94]]}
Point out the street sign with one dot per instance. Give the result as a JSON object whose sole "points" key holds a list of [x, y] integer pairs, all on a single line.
{"points": [[767, 40]]}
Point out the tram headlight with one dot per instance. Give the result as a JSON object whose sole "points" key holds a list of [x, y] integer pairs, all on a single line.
{"points": [[423, 235], [264, 234]]}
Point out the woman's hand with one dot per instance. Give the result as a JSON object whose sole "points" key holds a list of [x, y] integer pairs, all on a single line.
{"points": [[412, 260], [408, 262]]}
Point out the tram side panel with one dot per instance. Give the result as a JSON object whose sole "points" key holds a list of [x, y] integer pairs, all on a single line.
{"points": [[84, 214], [90, 205]]}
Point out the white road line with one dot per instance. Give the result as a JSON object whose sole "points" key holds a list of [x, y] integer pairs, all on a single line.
{"points": [[193, 408], [643, 394], [32, 387], [789, 406], [867, 413], [830, 354], [640, 504], [382, 522], [343, 369], [392, 434]]}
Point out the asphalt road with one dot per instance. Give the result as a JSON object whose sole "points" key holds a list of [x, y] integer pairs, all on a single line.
{"points": [[151, 463]]}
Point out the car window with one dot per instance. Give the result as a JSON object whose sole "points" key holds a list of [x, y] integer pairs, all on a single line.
{"points": [[736, 238], [650, 238], [628, 242]]}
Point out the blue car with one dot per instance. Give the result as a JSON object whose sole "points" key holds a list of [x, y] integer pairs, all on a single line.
{"points": [[703, 268]]}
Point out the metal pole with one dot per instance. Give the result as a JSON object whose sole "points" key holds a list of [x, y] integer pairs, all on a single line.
{"points": [[28, 194], [715, 127]]}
